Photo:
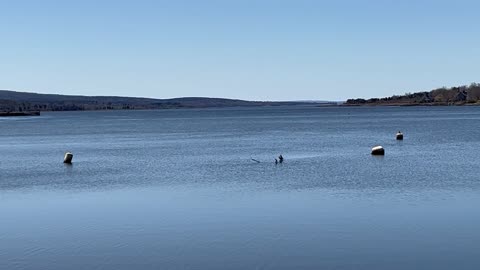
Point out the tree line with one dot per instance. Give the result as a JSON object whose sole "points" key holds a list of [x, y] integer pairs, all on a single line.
{"points": [[460, 95]]}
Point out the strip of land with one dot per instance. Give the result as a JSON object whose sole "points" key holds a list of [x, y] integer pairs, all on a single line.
{"points": [[13, 103], [461, 95], [6, 114]]}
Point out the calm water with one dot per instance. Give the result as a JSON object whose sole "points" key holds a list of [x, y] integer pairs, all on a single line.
{"points": [[177, 189]]}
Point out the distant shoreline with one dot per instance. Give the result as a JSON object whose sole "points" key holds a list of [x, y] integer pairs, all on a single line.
{"points": [[13, 101], [311, 105], [10, 114], [465, 95], [410, 105]]}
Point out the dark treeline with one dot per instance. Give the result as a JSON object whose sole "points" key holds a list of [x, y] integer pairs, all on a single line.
{"points": [[12, 101], [461, 95]]}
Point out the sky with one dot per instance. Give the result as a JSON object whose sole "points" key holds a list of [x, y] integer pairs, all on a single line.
{"points": [[254, 50]]}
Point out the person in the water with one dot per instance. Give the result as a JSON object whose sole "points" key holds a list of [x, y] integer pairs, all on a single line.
{"points": [[276, 161], [280, 158]]}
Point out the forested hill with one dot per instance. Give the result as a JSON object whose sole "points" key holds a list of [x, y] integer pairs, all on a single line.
{"points": [[461, 95], [11, 101]]}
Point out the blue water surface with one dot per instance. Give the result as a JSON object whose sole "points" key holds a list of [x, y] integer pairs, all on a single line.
{"points": [[177, 189]]}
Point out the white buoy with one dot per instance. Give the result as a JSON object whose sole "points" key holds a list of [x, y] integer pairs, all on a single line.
{"points": [[399, 136], [378, 151], [68, 158]]}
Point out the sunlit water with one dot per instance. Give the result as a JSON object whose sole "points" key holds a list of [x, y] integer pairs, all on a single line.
{"points": [[177, 189]]}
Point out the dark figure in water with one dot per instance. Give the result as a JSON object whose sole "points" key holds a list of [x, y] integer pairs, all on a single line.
{"points": [[276, 161], [280, 158]]}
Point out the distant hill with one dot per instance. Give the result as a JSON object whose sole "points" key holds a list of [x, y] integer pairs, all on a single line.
{"points": [[13, 101], [461, 95]]}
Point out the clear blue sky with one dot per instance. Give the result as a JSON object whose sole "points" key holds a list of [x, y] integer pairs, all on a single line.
{"points": [[256, 50]]}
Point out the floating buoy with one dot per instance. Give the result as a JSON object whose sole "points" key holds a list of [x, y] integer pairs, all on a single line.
{"points": [[399, 136], [378, 151], [68, 158]]}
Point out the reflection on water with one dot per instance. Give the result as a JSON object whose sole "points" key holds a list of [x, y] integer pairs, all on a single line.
{"points": [[178, 190]]}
